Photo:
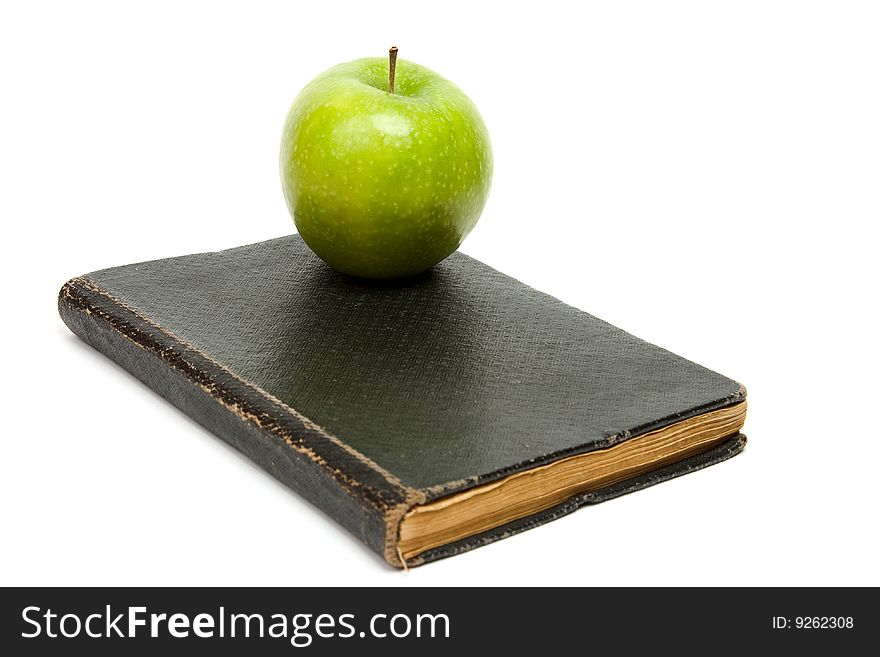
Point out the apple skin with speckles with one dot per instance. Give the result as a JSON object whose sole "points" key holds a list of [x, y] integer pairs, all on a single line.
{"points": [[384, 185]]}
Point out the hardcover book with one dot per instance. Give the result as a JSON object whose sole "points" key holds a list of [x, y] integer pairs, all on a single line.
{"points": [[428, 416]]}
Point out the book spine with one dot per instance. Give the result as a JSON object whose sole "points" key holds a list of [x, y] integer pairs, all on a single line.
{"points": [[322, 469]]}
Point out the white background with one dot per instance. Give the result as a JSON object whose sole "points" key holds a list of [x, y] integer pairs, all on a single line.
{"points": [[704, 175]]}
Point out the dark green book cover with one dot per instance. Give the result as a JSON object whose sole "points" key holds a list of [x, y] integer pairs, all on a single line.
{"points": [[375, 399]]}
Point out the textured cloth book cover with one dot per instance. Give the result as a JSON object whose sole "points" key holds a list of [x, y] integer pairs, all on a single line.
{"points": [[370, 399]]}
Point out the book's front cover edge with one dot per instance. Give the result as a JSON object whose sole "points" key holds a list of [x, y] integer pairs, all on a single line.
{"points": [[729, 448], [609, 440]]}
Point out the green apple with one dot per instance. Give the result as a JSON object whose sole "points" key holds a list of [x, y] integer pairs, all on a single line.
{"points": [[385, 165]]}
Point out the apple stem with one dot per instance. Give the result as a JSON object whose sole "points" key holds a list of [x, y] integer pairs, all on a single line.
{"points": [[392, 65]]}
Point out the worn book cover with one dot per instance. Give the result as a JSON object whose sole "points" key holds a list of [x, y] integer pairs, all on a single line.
{"points": [[428, 416]]}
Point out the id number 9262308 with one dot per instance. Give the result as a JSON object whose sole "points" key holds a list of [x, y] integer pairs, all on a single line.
{"points": [[813, 623]]}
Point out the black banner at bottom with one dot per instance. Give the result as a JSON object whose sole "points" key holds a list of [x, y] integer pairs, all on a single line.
{"points": [[320, 621]]}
